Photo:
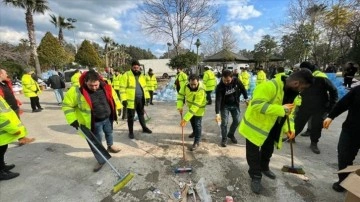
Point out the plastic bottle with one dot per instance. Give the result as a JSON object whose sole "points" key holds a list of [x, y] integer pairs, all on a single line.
{"points": [[202, 191]]}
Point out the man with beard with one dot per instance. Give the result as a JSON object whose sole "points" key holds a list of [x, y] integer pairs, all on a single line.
{"points": [[195, 95], [263, 122], [134, 93], [227, 101]]}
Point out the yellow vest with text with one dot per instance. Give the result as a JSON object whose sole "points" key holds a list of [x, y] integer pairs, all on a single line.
{"points": [[263, 111], [151, 82], [128, 86], [10, 124], [196, 101], [75, 107], [30, 86], [209, 80]]}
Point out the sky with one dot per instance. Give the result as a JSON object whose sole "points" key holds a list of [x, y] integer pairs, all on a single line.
{"points": [[119, 19]]}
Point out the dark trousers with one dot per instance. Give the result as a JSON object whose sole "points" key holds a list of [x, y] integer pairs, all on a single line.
{"points": [[151, 95], [348, 147], [258, 158], [139, 108], [196, 126], [208, 97], [234, 110], [348, 82], [316, 117], [35, 103], [3, 149]]}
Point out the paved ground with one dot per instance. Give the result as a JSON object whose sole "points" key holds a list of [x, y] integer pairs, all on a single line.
{"points": [[58, 166]]}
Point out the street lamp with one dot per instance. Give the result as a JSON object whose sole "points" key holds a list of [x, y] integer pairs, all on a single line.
{"points": [[197, 44], [169, 44]]}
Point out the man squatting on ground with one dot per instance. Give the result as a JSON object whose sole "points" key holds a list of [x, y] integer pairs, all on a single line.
{"points": [[195, 96], [227, 101], [94, 104], [263, 122]]}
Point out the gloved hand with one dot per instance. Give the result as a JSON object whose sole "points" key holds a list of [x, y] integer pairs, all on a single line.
{"points": [[75, 124], [290, 135], [17, 133], [327, 123], [218, 118], [183, 123], [124, 103], [180, 110], [288, 108]]}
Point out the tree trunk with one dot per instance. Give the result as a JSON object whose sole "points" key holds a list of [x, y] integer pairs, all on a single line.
{"points": [[61, 36], [31, 32]]}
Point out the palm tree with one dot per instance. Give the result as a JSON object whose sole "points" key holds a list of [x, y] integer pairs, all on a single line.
{"points": [[108, 41], [31, 7], [62, 23]]}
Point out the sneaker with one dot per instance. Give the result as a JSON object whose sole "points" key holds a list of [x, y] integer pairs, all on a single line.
{"points": [[131, 135], [256, 185], [7, 175], [147, 130], [41, 108], [233, 139], [9, 167], [36, 110], [191, 135], [25, 140], [314, 148], [223, 142], [113, 149], [195, 146], [337, 187], [269, 174], [98, 167]]}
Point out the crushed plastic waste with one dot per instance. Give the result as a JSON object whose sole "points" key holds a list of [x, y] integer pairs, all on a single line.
{"points": [[202, 191]]}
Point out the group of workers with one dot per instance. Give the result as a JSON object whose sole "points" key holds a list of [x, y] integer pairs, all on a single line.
{"points": [[305, 96]]}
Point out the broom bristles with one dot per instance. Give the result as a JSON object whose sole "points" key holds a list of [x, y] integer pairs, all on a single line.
{"points": [[296, 170], [122, 182]]}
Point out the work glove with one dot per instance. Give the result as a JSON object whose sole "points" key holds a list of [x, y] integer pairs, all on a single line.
{"points": [[75, 124], [183, 123], [288, 108], [327, 123], [17, 133], [124, 103], [180, 110], [290, 135], [218, 119]]}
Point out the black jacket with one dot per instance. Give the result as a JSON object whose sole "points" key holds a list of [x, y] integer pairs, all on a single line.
{"points": [[350, 102], [322, 94], [55, 81], [221, 89]]}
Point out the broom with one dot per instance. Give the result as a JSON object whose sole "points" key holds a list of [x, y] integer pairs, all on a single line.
{"points": [[184, 169], [122, 181], [147, 117], [292, 168]]}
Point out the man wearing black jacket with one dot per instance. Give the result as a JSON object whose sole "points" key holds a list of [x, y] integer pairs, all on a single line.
{"points": [[56, 83], [349, 141], [228, 101], [316, 102]]}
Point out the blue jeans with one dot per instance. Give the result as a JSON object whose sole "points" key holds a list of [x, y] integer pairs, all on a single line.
{"points": [[100, 127], [59, 95], [196, 126], [235, 113]]}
